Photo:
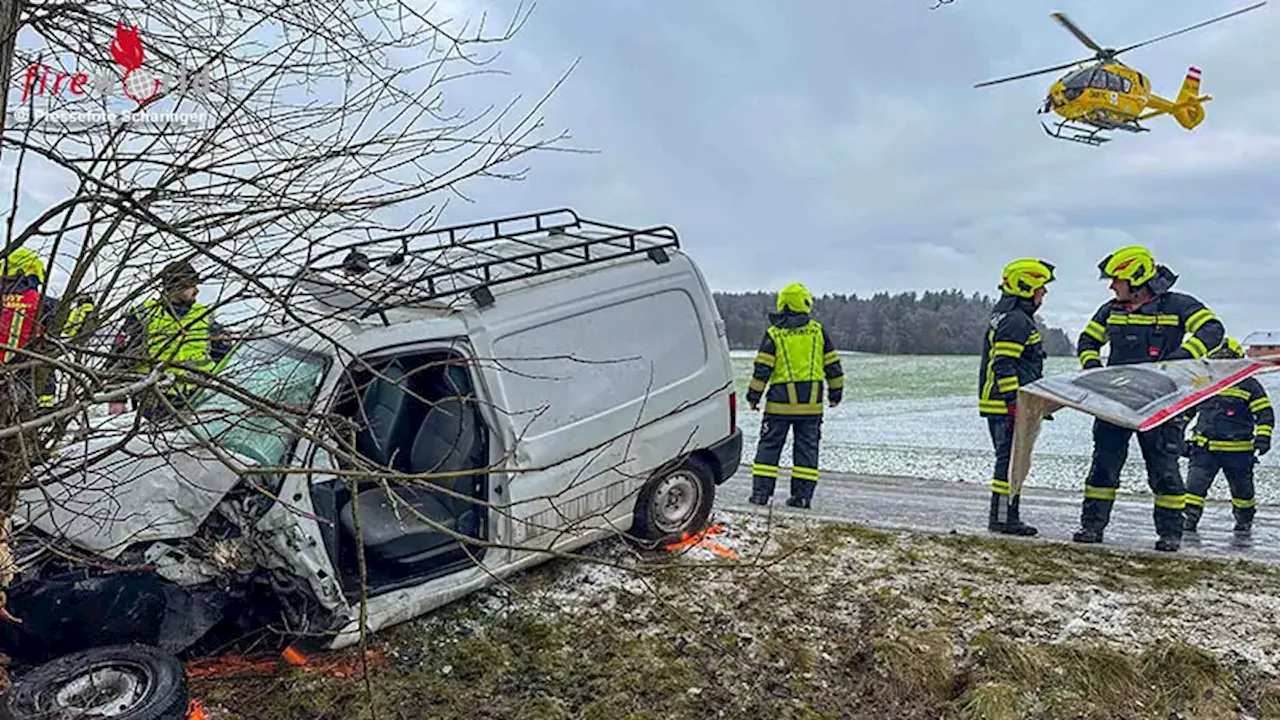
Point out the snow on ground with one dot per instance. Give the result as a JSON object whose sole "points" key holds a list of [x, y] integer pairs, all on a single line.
{"points": [[1040, 592]]}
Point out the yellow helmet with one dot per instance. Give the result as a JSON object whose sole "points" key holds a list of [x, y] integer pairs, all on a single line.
{"points": [[22, 262], [1134, 264], [1023, 276], [795, 297]]}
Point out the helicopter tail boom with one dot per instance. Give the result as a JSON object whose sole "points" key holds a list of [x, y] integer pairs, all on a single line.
{"points": [[1188, 108]]}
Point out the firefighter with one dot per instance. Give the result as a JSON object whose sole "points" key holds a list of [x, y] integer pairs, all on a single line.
{"points": [[173, 329], [82, 311], [1146, 322], [24, 317], [796, 358], [1233, 425], [1012, 355]]}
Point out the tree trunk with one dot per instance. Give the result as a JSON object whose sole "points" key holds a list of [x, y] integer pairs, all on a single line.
{"points": [[10, 13]]}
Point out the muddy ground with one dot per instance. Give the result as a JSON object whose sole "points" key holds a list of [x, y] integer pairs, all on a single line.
{"points": [[820, 620]]}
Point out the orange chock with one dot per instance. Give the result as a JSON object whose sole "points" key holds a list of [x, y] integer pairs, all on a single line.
{"points": [[293, 657]]}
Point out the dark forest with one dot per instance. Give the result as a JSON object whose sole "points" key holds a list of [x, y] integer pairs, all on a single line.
{"points": [[945, 322]]}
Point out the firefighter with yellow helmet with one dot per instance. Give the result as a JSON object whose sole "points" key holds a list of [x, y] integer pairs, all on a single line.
{"points": [[795, 361], [1233, 430], [1012, 355], [1145, 322], [25, 315]]}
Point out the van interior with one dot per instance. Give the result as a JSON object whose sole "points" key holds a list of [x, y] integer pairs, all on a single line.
{"points": [[416, 414]]}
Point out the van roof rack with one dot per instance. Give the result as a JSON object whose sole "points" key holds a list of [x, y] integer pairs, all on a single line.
{"points": [[473, 257]]}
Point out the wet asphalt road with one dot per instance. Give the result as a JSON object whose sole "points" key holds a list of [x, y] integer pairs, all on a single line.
{"points": [[942, 507]]}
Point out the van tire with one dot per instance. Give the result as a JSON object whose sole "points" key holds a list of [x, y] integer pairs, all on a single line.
{"points": [[675, 503], [149, 684]]}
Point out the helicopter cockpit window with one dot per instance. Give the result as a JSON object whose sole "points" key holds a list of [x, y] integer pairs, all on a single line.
{"points": [[1114, 82], [1100, 79], [1078, 79], [1128, 84]]}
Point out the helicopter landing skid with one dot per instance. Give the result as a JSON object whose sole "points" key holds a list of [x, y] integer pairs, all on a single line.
{"points": [[1083, 134]]}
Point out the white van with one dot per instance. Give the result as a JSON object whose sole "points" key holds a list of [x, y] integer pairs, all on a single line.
{"points": [[583, 364]]}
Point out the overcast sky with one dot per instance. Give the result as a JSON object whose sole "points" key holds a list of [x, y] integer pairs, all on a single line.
{"points": [[842, 144]]}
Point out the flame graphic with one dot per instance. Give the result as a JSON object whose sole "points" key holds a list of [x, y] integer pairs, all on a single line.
{"points": [[126, 48]]}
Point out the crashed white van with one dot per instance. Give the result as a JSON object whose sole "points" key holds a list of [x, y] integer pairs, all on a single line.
{"points": [[565, 379]]}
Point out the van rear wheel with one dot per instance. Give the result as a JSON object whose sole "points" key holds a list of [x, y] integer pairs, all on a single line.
{"points": [[124, 682], [676, 503]]}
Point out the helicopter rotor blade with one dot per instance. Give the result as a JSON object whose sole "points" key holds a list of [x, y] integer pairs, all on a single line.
{"points": [[1233, 13], [1071, 27], [1033, 73]]}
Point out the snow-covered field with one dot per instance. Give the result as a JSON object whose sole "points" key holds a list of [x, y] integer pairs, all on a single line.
{"points": [[917, 416]]}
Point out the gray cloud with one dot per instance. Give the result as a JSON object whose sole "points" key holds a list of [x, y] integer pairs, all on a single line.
{"points": [[843, 144]]}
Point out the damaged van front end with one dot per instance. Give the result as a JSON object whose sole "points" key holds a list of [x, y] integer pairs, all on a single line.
{"points": [[150, 543]]}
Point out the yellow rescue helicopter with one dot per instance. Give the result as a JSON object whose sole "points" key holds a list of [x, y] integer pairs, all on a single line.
{"points": [[1107, 95]]}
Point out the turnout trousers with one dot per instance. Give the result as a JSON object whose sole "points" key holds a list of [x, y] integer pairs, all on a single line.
{"points": [[1004, 505], [806, 433], [1203, 467], [1161, 448]]}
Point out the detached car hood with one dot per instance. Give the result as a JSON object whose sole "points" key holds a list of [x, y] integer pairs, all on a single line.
{"points": [[158, 486], [1139, 397]]}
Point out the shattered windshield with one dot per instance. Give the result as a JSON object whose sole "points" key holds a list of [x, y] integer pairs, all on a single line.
{"points": [[272, 385]]}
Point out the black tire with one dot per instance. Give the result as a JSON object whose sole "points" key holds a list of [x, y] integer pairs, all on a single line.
{"points": [[137, 682], [688, 491]]}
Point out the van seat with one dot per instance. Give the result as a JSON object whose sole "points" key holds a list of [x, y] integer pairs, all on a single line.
{"points": [[391, 414], [391, 533]]}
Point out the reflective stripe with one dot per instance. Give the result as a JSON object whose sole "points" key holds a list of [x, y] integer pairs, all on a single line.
{"points": [[805, 473], [46, 401], [1198, 318], [1222, 445], [765, 359], [1133, 319], [999, 407], [1260, 404], [830, 357], [836, 383], [1236, 393], [999, 487], [1242, 503], [1008, 349], [1007, 384], [778, 408], [769, 471], [1262, 431], [1035, 338], [756, 384], [1088, 355], [1167, 320], [1095, 330], [1171, 502], [1093, 492], [1193, 500], [1195, 347]]}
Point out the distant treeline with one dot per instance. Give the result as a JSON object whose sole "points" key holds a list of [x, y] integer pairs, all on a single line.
{"points": [[934, 323]]}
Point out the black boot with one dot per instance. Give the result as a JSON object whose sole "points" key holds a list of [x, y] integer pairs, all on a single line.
{"points": [[761, 490], [1169, 543], [1087, 535], [1191, 518], [1004, 518], [798, 502]]}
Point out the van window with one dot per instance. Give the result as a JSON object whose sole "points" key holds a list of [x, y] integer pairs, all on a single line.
{"points": [[580, 366]]}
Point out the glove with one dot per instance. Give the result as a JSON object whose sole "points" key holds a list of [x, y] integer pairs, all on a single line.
{"points": [[1262, 445]]}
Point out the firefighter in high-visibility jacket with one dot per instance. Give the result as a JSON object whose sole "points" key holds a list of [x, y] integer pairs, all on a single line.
{"points": [[795, 361], [25, 315], [173, 329], [1012, 355], [1146, 322], [1233, 426]]}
